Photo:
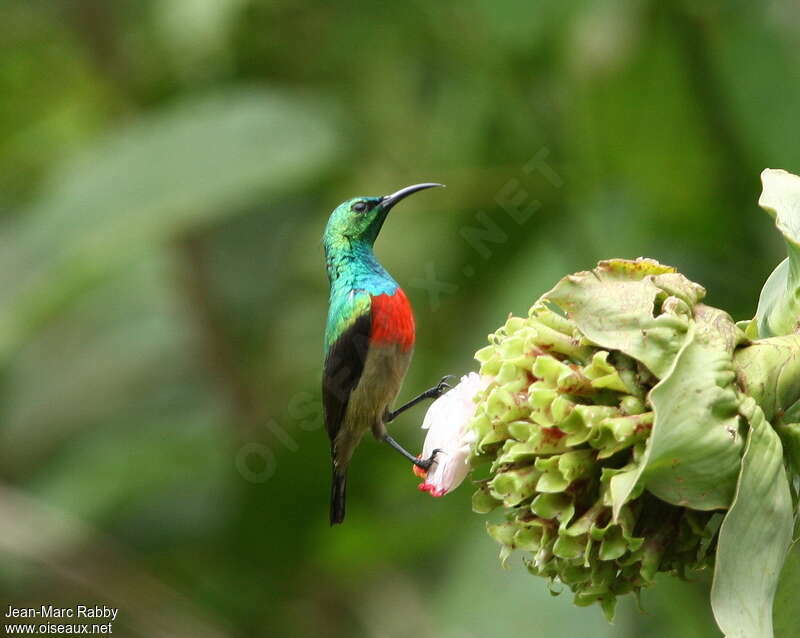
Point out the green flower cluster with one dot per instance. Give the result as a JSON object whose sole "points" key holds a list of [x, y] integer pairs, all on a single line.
{"points": [[626, 428], [565, 424]]}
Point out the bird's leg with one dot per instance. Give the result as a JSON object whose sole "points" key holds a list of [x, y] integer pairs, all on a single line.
{"points": [[420, 463], [432, 393]]}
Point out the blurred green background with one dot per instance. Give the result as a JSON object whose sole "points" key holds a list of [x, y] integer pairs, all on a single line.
{"points": [[166, 170]]}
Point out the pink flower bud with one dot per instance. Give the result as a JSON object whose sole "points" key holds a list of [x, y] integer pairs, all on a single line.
{"points": [[448, 424]]}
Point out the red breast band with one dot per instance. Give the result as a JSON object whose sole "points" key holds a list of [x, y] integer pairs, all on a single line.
{"points": [[392, 320]]}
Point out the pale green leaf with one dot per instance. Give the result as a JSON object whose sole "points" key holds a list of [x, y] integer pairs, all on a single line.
{"points": [[653, 314], [779, 303], [613, 306], [693, 454], [754, 537], [767, 370]]}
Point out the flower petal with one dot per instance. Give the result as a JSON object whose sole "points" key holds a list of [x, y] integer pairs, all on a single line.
{"points": [[447, 422]]}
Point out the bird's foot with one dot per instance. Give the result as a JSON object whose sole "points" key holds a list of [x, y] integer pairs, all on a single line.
{"points": [[422, 464], [432, 393], [425, 464], [443, 385]]}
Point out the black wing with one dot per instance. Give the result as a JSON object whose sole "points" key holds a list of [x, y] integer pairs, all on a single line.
{"points": [[343, 367]]}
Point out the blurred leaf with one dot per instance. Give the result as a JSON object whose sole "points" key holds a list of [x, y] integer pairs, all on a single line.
{"points": [[755, 51], [119, 348], [754, 535], [196, 32], [93, 567], [187, 165], [43, 116], [164, 469], [519, 606]]}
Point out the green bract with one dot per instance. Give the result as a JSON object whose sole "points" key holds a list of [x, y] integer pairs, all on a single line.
{"points": [[631, 429]]}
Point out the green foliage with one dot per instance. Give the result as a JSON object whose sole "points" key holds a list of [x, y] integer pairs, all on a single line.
{"points": [[115, 201]]}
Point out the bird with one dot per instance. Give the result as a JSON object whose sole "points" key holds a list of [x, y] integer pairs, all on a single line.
{"points": [[369, 338]]}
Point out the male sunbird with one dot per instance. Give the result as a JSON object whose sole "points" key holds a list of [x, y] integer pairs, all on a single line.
{"points": [[369, 338]]}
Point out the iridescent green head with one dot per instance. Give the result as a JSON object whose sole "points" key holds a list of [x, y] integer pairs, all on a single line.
{"points": [[360, 219]]}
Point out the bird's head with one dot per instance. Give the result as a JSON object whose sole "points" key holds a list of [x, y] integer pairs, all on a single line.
{"points": [[360, 219]]}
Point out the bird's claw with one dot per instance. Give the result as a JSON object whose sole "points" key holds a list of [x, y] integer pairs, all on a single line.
{"points": [[425, 464], [443, 385]]}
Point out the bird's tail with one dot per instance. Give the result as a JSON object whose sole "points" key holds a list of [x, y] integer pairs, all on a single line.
{"points": [[338, 490]]}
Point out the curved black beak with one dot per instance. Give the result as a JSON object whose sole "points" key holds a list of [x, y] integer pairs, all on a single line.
{"points": [[389, 201]]}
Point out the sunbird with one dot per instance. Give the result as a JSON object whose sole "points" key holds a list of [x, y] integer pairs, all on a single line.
{"points": [[369, 338]]}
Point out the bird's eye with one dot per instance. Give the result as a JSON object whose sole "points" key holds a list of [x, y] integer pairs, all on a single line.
{"points": [[359, 207]]}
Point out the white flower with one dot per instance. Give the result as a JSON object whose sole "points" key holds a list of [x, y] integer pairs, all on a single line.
{"points": [[447, 422]]}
